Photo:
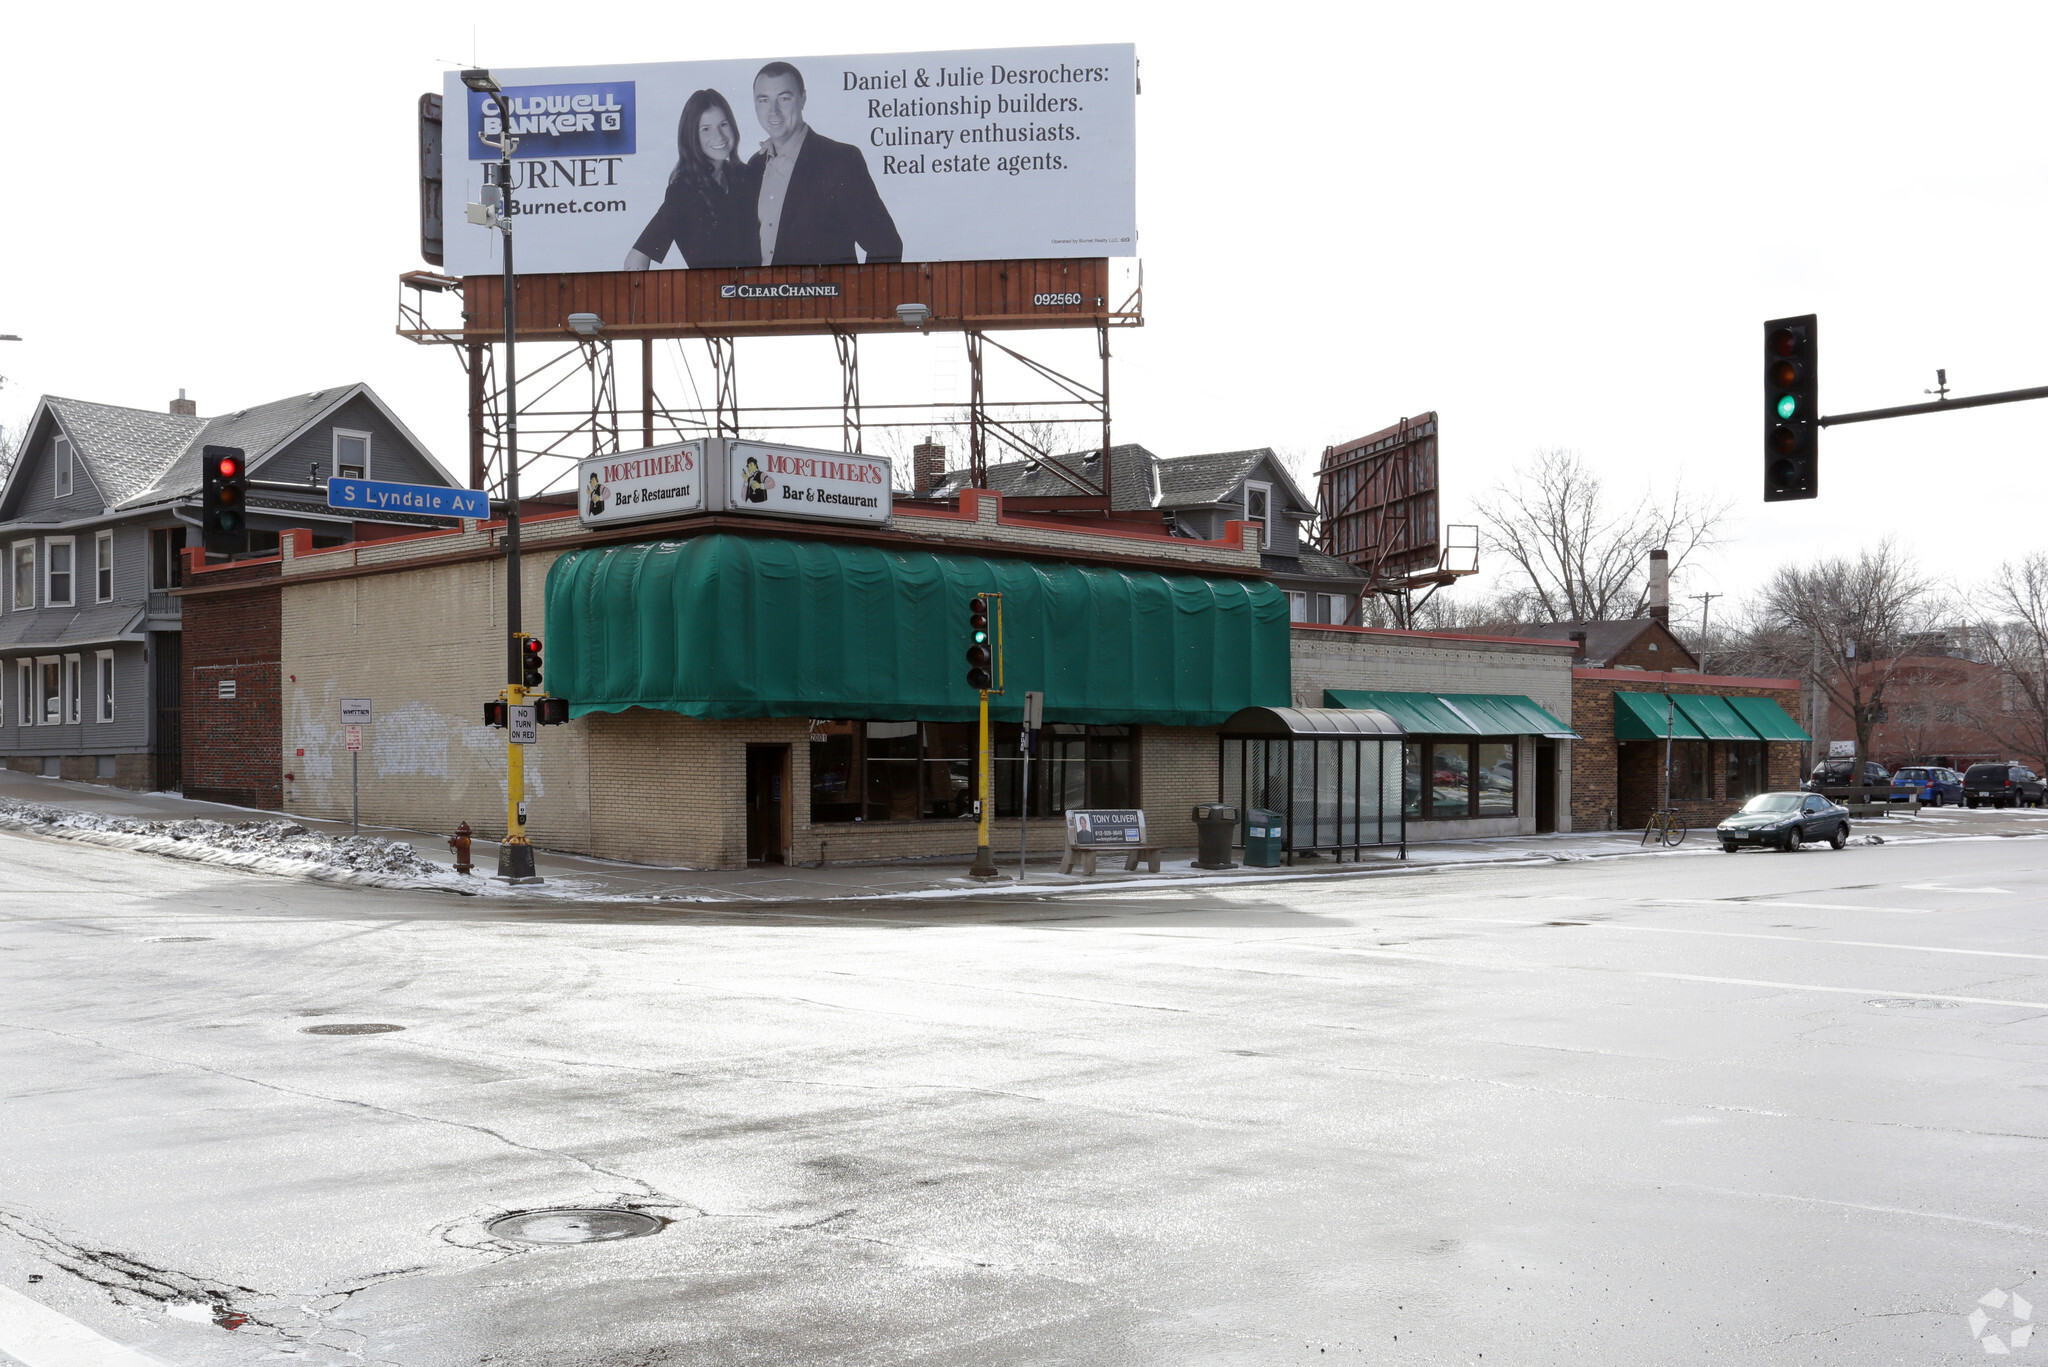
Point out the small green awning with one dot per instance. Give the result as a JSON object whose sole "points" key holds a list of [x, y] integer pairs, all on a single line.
{"points": [[1767, 719], [1644, 716], [1713, 716], [720, 626], [1701, 716], [1456, 714]]}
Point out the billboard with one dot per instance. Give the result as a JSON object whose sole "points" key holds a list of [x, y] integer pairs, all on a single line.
{"points": [[1376, 500], [759, 478], [1013, 153]]}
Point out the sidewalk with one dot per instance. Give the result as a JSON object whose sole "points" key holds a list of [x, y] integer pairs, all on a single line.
{"points": [[578, 878]]}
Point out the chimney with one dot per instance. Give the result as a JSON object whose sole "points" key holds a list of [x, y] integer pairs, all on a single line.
{"points": [[1660, 586], [928, 465], [1579, 640], [184, 407]]}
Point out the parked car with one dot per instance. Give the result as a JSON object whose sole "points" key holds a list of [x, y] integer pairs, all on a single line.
{"points": [[2007, 783], [1933, 785], [1786, 821], [1840, 773]]}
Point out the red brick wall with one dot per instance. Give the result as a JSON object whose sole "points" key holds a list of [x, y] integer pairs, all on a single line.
{"points": [[1669, 653], [231, 750], [1617, 784]]}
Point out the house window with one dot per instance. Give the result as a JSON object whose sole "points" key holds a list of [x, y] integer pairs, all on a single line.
{"points": [[104, 691], [1297, 607], [1258, 500], [57, 551], [24, 576], [50, 690], [60, 466], [1451, 780], [103, 567], [73, 687], [351, 454], [166, 558], [1333, 607], [25, 692]]}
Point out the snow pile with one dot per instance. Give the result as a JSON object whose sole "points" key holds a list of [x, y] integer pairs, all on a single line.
{"points": [[278, 846]]}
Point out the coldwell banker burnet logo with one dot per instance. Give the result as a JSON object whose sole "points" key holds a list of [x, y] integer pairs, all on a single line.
{"points": [[583, 120]]}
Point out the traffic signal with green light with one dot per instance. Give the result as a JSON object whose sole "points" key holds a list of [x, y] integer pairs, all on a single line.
{"points": [[1791, 409], [224, 512], [978, 656]]}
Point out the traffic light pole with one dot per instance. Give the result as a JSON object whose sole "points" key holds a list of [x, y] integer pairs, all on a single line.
{"points": [[515, 853], [1938, 406], [984, 858]]}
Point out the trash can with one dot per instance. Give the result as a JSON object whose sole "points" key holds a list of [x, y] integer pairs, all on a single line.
{"points": [[1262, 837], [1215, 833]]}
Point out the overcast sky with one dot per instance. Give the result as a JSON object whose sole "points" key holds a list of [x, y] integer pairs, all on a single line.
{"points": [[1555, 225]]}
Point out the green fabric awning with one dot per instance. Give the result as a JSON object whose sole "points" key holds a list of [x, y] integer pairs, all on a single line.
{"points": [[1702, 716], [721, 626], [1713, 716], [1767, 719], [1642, 716], [1456, 714]]}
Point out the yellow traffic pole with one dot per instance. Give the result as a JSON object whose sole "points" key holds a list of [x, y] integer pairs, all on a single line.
{"points": [[984, 861], [515, 772]]}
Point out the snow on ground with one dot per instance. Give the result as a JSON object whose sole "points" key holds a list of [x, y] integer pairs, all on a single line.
{"points": [[276, 846]]}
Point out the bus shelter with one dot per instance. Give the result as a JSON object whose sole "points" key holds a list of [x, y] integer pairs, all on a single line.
{"points": [[1333, 773]]}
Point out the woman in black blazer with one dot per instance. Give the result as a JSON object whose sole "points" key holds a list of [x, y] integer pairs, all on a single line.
{"points": [[711, 209]]}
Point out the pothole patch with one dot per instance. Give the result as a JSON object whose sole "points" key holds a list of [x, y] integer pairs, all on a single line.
{"points": [[574, 1225], [1910, 1004], [366, 1028]]}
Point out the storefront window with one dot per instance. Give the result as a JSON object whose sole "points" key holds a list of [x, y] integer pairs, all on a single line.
{"points": [[1495, 776], [906, 771], [892, 770], [1745, 769], [1447, 780], [1450, 779], [1689, 770]]}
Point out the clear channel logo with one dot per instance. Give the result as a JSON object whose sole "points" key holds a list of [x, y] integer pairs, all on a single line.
{"points": [[2011, 1328]]}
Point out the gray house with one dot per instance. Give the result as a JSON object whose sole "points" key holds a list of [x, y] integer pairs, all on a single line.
{"points": [[94, 520], [1197, 496]]}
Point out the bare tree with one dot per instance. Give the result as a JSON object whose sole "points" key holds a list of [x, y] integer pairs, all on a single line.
{"points": [[1844, 625], [11, 438], [1579, 554], [2011, 619]]}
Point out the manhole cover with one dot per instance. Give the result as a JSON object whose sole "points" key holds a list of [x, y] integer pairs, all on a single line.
{"points": [[365, 1029], [573, 1226], [1909, 1004], [176, 939]]}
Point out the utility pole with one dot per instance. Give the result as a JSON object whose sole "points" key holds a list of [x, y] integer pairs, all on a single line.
{"points": [[515, 854], [1706, 600]]}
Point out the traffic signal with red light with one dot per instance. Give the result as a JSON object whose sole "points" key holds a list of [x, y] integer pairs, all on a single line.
{"points": [[978, 656], [224, 514], [529, 661], [1791, 408]]}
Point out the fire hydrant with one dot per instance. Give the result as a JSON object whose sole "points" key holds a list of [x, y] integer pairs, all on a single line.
{"points": [[459, 842]]}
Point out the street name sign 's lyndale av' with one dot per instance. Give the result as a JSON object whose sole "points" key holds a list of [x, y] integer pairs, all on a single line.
{"points": [[355, 710], [431, 500]]}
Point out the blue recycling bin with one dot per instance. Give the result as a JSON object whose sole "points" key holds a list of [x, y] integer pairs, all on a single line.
{"points": [[1263, 836]]}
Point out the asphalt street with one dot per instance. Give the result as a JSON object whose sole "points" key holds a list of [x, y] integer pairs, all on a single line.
{"points": [[1682, 1109]]}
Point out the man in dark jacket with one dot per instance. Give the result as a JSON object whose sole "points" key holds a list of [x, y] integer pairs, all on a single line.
{"points": [[817, 200]]}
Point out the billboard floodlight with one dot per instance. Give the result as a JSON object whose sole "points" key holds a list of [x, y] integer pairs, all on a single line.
{"points": [[480, 80], [912, 315], [585, 324]]}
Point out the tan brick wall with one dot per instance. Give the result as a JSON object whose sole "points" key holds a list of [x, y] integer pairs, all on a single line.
{"points": [[1411, 663]]}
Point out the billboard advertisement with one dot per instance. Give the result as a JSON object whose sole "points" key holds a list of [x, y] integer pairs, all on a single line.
{"points": [[1003, 154], [790, 481], [632, 486]]}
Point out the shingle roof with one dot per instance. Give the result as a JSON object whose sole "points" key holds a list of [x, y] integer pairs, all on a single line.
{"points": [[93, 624], [1183, 481], [253, 430], [1313, 564], [1604, 640], [124, 449]]}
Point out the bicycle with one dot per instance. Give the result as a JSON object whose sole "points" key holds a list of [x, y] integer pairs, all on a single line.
{"points": [[1665, 828]]}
